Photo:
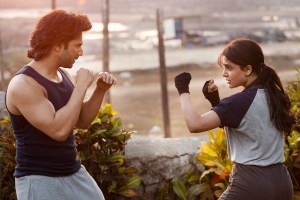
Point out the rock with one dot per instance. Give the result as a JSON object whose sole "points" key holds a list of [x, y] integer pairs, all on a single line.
{"points": [[159, 160], [3, 111]]}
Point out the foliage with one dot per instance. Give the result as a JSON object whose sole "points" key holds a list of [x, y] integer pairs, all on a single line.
{"points": [[7, 160], [293, 90], [292, 146], [213, 155], [292, 158], [187, 186], [191, 187], [210, 183], [101, 150]]}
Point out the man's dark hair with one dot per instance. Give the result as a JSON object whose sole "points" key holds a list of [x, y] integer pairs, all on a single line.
{"points": [[56, 27]]}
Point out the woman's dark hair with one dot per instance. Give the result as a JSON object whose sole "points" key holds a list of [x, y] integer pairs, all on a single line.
{"points": [[56, 27], [245, 52]]}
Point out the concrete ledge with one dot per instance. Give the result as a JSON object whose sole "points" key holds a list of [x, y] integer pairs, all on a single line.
{"points": [[159, 160]]}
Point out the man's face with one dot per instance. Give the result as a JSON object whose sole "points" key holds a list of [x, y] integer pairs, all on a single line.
{"points": [[71, 52]]}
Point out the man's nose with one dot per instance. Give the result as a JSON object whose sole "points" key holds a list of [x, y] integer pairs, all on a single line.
{"points": [[80, 52], [224, 73]]}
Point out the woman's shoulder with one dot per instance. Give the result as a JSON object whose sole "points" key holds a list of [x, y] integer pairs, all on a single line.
{"points": [[232, 109], [245, 95]]}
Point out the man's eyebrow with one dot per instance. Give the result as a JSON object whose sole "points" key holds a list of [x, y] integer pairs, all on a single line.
{"points": [[226, 65]]}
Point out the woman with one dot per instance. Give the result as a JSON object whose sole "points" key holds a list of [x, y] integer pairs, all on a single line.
{"points": [[254, 120]]}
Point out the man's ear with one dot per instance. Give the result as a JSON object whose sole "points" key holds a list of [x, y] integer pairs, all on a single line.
{"points": [[59, 47], [248, 70]]}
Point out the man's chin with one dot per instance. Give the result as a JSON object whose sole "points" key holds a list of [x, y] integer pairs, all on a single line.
{"points": [[67, 66]]}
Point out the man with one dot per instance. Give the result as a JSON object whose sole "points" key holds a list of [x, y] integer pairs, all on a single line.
{"points": [[45, 106]]}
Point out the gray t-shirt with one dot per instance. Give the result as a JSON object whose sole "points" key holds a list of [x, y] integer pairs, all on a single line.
{"points": [[252, 138]]}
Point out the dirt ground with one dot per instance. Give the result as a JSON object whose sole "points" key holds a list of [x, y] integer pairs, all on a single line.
{"points": [[137, 96]]}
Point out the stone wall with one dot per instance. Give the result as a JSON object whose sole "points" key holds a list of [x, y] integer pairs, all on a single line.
{"points": [[159, 160]]}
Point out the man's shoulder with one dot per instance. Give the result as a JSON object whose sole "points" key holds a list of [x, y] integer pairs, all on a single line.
{"points": [[22, 81], [21, 86]]}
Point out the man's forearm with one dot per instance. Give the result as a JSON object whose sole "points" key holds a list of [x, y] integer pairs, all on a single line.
{"points": [[90, 109]]}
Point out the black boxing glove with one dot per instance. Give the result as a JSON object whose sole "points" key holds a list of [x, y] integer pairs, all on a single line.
{"points": [[182, 82], [212, 97]]}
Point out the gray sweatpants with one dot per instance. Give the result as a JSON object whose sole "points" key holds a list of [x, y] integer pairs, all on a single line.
{"points": [[249, 182], [78, 186]]}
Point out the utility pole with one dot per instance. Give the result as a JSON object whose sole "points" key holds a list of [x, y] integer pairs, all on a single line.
{"points": [[53, 4], [2, 68], [163, 74], [105, 45]]}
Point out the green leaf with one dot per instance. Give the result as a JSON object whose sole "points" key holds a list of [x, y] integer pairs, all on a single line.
{"points": [[179, 188], [193, 178], [112, 187], [105, 118], [116, 158], [96, 121], [196, 189], [134, 181], [121, 170], [116, 126]]}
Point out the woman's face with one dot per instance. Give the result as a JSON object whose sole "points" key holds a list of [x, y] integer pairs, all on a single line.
{"points": [[234, 75]]}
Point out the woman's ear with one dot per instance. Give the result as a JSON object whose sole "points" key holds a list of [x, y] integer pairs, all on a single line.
{"points": [[248, 70]]}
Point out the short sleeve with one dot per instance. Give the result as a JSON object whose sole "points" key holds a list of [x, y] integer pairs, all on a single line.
{"points": [[231, 110]]}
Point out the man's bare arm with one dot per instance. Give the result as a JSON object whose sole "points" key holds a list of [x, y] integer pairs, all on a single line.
{"points": [[27, 97], [91, 107]]}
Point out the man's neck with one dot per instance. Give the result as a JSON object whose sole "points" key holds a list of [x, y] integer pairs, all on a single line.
{"points": [[47, 69]]}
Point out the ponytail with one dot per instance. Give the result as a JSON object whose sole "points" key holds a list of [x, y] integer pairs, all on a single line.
{"points": [[279, 101]]}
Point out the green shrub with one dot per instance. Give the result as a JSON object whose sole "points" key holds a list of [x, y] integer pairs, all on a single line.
{"points": [[101, 151], [7, 160], [213, 155], [210, 183], [292, 145]]}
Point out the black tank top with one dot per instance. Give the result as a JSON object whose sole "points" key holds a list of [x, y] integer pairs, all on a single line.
{"points": [[37, 153]]}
